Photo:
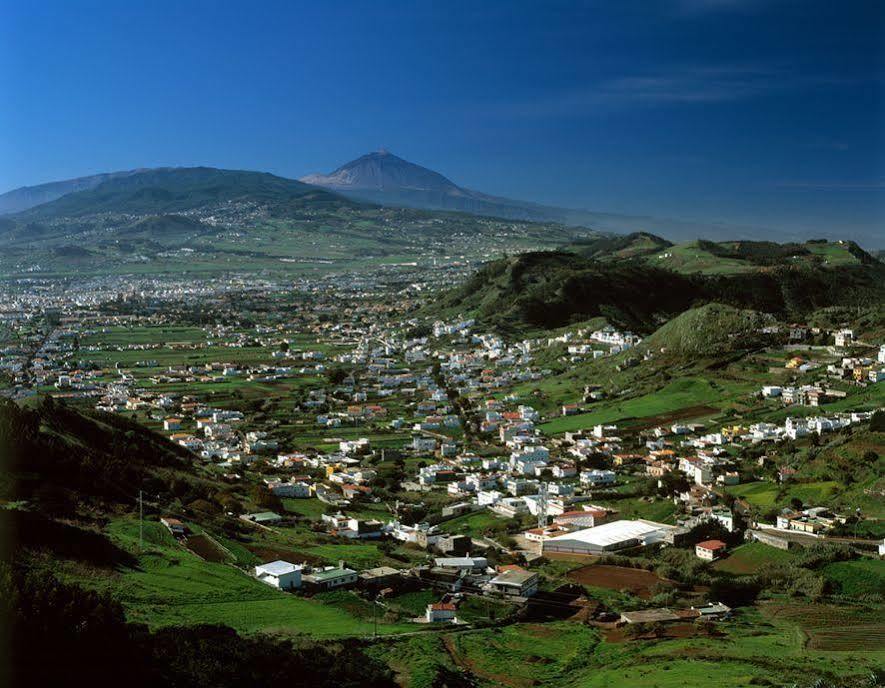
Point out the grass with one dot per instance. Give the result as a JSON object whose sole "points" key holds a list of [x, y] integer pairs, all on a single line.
{"points": [[749, 557], [474, 524], [679, 394], [768, 495], [311, 508], [755, 647], [171, 586], [857, 578], [660, 510]]}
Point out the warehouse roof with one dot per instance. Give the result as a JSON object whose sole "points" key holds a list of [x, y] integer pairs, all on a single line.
{"points": [[612, 533]]}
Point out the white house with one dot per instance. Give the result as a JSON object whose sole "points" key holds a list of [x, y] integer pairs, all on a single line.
{"points": [[709, 549], [598, 477], [280, 574], [441, 612]]}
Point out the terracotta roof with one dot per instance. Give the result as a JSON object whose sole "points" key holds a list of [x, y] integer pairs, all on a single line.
{"points": [[712, 544], [442, 607]]}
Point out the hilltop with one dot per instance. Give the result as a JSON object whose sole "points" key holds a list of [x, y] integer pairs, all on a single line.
{"points": [[710, 330], [26, 197], [552, 289]]}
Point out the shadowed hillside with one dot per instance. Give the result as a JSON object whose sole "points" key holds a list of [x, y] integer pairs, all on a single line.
{"points": [[552, 289]]}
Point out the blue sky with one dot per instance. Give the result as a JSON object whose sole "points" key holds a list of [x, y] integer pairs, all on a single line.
{"points": [[741, 111]]}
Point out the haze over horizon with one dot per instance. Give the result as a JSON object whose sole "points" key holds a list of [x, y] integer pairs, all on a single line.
{"points": [[709, 110]]}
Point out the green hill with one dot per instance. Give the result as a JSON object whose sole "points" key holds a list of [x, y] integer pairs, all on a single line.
{"points": [[732, 257], [711, 329], [619, 247], [170, 190], [553, 289]]}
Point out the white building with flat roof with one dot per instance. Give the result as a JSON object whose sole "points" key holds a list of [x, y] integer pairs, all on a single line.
{"points": [[280, 574], [610, 537]]}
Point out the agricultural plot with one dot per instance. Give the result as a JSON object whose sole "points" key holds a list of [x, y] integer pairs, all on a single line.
{"points": [[637, 582], [859, 578], [747, 558], [688, 393], [172, 586], [831, 627], [765, 496]]}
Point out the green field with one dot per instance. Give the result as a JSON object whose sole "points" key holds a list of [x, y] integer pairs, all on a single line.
{"points": [[768, 495], [679, 394], [747, 558], [857, 578], [474, 524], [753, 649], [171, 586]]}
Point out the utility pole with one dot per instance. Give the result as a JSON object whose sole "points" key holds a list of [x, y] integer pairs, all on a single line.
{"points": [[140, 520]]}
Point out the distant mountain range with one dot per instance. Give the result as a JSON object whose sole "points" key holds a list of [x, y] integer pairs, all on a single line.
{"points": [[387, 179], [27, 197], [380, 178], [178, 189]]}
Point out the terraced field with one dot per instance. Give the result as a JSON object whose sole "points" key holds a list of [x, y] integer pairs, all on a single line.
{"points": [[831, 627]]}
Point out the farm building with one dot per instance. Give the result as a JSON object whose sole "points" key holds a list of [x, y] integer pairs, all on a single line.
{"points": [[515, 582], [610, 537], [440, 611], [280, 574], [709, 549], [331, 577], [587, 518], [175, 526]]}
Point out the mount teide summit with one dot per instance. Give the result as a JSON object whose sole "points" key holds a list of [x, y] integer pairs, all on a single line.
{"points": [[387, 179]]}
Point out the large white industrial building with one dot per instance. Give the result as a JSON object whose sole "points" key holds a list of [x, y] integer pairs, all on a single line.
{"points": [[610, 537]]}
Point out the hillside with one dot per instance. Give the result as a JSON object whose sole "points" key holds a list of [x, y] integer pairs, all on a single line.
{"points": [[56, 457], [25, 197], [170, 190], [731, 257], [710, 330], [64, 475], [625, 247], [555, 288], [210, 220]]}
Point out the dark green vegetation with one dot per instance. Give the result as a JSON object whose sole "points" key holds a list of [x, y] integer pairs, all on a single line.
{"points": [[53, 631], [712, 329], [553, 289], [75, 471], [620, 247]]}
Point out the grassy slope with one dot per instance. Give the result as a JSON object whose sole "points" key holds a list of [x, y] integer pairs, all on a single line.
{"points": [[171, 586], [571, 655], [678, 394]]}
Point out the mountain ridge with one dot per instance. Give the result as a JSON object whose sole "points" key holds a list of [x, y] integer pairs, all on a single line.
{"points": [[384, 178]]}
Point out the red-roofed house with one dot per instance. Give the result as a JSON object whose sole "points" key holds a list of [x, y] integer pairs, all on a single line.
{"points": [[710, 549], [440, 611]]}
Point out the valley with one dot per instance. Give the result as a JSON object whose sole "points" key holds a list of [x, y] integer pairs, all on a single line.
{"points": [[399, 428]]}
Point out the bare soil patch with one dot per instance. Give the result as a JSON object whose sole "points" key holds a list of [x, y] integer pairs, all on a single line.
{"points": [[205, 547], [638, 582], [269, 553]]}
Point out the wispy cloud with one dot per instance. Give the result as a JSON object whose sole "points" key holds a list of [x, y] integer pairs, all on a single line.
{"points": [[693, 85], [677, 85], [859, 185], [707, 6]]}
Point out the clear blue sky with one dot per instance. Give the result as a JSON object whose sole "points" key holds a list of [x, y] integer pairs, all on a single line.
{"points": [[742, 111]]}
